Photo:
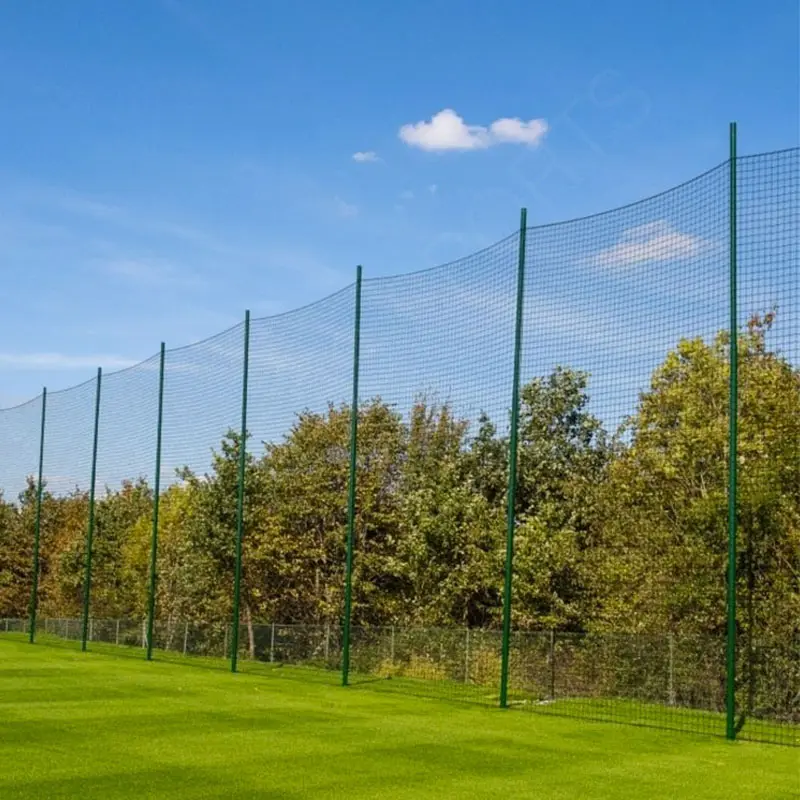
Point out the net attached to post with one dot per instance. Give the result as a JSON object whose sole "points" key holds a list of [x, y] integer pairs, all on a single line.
{"points": [[297, 476], [768, 642], [435, 391], [123, 506], [624, 435], [197, 512], [19, 444], [67, 471]]}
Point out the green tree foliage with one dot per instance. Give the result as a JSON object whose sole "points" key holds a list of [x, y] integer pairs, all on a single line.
{"points": [[624, 534], [301, 538], [563, 456], [15, 549], [451, 535], [659, 552]]}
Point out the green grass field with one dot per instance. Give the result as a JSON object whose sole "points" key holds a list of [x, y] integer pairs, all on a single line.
{"points": [[96, 725]]}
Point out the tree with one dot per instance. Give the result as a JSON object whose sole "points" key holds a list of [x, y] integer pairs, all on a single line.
{"points": [[486, 463], [563, 455], [15, 563], [451, 537], [115, 516], [212, 530], [661, 534], [304, 528]]}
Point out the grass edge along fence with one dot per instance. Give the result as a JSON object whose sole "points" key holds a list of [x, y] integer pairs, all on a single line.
{"points": [[665, 682], [505, 694]]}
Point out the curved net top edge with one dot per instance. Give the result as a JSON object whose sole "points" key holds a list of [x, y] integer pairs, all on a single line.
{"points": [[307, 306], [643, 201], [24, 403], [677, 187], [450, 264], [768, 153], [51, 392]]}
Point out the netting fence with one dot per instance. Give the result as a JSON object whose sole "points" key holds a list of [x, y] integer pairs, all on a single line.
{"points": [[617, 599]]}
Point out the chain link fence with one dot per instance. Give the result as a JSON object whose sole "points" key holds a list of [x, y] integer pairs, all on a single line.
{"points": [[665, 682]]}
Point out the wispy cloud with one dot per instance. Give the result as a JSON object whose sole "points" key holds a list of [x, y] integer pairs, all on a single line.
{"points": [[654, 241], [151, 273], [63, 361], [146, 223], [365, 156], [433, 188], [407, 195], [84, 206], [448, 131], [345, 209], [136, 221]]}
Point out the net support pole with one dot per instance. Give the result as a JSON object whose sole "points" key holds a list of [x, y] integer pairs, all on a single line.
{"points": [[237, 580], [37, 526], [87, 580], [151, 604], [351, 488], [733, 419], [512, 463]]}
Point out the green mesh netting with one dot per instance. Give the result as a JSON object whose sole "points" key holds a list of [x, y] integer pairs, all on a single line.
{"points": [[619, 581]]}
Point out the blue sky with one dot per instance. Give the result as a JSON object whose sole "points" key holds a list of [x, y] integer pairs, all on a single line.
{"points": [[165, 164]]}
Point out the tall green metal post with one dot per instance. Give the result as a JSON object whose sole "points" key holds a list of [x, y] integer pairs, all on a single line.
{"points": [[151, 605], [87, 581], [237, 581], [733, 415], [37, 527], [351, 489], [512, 462]]}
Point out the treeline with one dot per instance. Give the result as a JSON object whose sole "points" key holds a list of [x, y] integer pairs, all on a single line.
{"points": [[623, 532]]}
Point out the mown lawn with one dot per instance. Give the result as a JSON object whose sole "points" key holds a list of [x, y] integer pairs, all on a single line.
{"points": [[96, 725]]}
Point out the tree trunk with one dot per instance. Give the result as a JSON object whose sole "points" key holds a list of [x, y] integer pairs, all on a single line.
{"points": [[251, 639]]}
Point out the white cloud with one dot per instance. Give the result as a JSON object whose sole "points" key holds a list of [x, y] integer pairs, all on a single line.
{"points": [[407, 195], [62, 361], [653, 241], [365, 156], [516, 131], [448, 131], [433, 188], [344, 208]]}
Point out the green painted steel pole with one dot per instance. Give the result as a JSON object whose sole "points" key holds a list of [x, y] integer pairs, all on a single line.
{"points": [[37, 526], [351, 489], [511, 520], [87, 581], [151, 605], [733, 440], [237, 581]]}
